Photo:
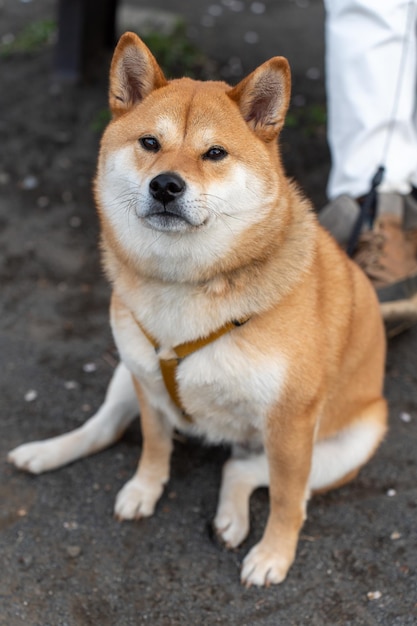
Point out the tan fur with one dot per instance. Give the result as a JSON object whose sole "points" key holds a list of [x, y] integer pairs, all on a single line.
{"points": [[302, 379]]}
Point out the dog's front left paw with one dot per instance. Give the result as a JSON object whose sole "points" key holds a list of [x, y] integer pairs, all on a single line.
{"points": [[264, 566], [35, 457], [137, 499]]}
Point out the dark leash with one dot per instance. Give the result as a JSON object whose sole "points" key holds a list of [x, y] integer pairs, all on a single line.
{"points": [[367, 211]]}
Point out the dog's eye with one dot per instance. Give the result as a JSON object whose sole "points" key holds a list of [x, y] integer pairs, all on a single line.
{"points": [[216, 153], [150, 143]]}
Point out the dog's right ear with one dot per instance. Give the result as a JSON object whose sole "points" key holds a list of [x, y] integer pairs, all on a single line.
{"points": [[134, 73]]}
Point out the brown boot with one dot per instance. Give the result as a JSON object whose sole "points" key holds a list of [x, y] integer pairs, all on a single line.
{"points": [[387, 254], [387, 257]]}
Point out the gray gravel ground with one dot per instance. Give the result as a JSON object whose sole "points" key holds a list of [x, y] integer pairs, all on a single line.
{"points": [[65, 560]]}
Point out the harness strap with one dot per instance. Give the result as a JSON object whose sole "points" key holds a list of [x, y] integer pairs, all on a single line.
{"points": [[169, 366]]}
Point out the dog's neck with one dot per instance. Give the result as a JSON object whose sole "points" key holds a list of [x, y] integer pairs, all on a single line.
{"points": [[256, 283]]}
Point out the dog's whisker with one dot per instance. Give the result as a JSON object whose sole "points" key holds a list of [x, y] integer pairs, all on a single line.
{"points": [[211, 201]]}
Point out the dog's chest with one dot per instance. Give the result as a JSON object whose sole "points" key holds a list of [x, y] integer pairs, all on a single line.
{"points": [[227, 392], [226, 388]]}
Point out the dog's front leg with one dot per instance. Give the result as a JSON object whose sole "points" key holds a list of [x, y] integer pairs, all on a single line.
{"points": [[289, 445], [242, 474], [140, 494]]}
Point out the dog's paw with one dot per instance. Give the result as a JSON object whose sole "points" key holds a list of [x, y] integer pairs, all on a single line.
{"points": [[137, 499], [35, 457], [264, 567], [231, 526]]}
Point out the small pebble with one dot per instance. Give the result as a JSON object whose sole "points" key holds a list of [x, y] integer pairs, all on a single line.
{"points": [[73, 551], [31, 395], [405, 417], [395, 535], [71, 525], [374, 595], [29, 182], [70, 384], [89, 367], [391, 493], [86, 408], [22, 512]]}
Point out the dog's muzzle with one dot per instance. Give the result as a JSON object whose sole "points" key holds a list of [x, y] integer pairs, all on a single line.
{"points": [[169, 209]]}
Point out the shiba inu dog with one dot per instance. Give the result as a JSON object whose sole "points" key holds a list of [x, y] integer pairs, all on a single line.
{"points": [[237, 317]]}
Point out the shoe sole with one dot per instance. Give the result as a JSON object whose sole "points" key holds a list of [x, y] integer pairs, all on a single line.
{"points": [[404, 289], [400, 315]]}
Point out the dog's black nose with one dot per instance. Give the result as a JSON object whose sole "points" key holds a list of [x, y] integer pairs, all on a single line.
{"points": [[167, 187]]}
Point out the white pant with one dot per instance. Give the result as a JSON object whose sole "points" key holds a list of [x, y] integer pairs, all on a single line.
{"points": [[365, 69]]}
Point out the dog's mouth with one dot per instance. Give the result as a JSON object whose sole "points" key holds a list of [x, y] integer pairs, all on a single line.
{"points": [[167, 221], [172, 219]]}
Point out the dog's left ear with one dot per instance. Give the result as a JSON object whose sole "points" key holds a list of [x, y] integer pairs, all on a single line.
{"points": [[134, 73], [263, 97]]}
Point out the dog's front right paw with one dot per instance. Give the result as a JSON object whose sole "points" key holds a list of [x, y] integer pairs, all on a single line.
{"points": [[35, 457], [265, 565], [137, 499]]}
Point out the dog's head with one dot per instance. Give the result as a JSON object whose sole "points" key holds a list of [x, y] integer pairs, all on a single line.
{"points": [[188, 168]]}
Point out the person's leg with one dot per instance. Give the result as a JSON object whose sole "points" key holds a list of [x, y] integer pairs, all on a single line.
{"points": [[371, 63]]}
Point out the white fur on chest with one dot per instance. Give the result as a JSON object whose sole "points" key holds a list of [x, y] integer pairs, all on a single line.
{"points": [[229, 390], [226, 387]]}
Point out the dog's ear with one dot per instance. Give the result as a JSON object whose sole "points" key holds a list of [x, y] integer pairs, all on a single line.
{"points": [[263, 97], [134, 73]]}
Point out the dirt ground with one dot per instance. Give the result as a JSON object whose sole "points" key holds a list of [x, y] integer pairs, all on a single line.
{"points": [[65, 561]]}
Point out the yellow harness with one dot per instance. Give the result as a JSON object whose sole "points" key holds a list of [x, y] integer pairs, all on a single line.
{"points": [[169, 366]]}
